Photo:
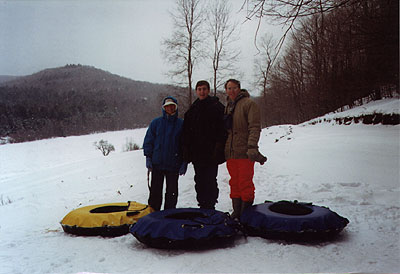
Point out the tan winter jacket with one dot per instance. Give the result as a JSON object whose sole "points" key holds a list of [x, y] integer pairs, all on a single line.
{"points": [[246, 128]]}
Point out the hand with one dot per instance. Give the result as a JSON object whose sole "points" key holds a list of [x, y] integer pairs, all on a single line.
{"points": [[149, 164], [219, 153], [252, 154], [255, 156], [183, 168], [261, 158]]}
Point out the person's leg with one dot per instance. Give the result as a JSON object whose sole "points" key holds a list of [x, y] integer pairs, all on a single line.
{"points": [[199, 186], [206, 185], [212, 186], [171, 194], [246, 173], [156, 188], [232, 167]]}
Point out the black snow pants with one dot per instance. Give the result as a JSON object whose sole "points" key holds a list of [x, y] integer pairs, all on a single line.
{"points": [[156, 189], [206, 185]]}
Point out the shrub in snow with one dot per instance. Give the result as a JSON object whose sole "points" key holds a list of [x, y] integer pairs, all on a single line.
{"points": [[5, 201], [6, 140], [104, 147], [130, 145]]}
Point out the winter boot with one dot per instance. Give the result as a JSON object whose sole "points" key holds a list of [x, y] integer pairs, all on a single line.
{"points": [[237, 207], [245, 205]]}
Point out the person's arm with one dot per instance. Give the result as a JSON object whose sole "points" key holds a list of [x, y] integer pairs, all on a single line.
{"points": [[148, 143], [185, 139], [254, 125], [220, 129], [254, 118]]}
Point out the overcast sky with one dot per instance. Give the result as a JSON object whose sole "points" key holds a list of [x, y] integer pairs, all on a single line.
{"points": [[119, 36]]}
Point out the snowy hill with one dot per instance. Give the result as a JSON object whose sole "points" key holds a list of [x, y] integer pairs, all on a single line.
{"points": [[76, 100], [385, 111], [353, 169]]}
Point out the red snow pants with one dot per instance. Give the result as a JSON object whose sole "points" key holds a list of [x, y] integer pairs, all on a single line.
{"points": [[241, 182]]}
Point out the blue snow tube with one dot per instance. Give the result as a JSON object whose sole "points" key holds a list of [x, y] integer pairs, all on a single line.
{"points": [[185, 228], [292, 221]]}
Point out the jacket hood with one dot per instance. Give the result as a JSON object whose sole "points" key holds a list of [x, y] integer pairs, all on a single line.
{"points": [[170, 97], [174, 100], [244, 93]]}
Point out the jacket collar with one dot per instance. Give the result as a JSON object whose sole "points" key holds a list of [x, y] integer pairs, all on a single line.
{"points": [[170, 117], [231, 104], [242, 94]]}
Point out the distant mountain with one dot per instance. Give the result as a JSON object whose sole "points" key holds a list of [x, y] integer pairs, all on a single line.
{"points": [[5, 78], [75, 100]]}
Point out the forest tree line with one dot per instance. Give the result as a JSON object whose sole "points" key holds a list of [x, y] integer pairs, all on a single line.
{"points": [[331, 60]]}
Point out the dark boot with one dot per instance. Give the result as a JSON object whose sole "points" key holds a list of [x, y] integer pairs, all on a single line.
{"points": [[245, 205], [237, 208], [207, 206]]}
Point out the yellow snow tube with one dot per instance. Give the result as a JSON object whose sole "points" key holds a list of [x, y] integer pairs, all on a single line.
{"points": [[107, 220]]}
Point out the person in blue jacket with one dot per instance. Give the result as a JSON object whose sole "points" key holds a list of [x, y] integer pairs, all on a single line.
{"points": [[162, 149]]}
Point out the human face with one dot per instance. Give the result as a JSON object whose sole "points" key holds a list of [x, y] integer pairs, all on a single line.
{"points": [[170, 109], [202, 92], [232, 89]]}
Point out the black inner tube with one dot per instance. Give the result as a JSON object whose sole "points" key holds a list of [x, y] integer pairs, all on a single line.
{"points": [[290, 208]]}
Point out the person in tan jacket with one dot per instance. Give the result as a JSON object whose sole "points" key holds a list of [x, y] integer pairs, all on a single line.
{"points": [[242, 121]]}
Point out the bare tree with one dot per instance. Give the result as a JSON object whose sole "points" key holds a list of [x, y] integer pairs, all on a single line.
{"points": [[264, 61], [182, 48], [262, 67], [223, 33], [287, 12], [293, 67]]}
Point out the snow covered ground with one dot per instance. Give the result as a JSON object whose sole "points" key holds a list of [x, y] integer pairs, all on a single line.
{"points": [[353, 169]]}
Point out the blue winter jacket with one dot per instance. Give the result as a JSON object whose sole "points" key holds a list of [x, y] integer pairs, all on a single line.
{"points": [[162, 141]]}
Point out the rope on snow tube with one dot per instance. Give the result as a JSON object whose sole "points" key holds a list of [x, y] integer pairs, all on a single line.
{"points": [[107, 220], [292, 221], [185, 228]]}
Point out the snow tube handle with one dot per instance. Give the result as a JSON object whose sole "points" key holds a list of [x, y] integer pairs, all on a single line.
{"points": [[193, 225], [132, 213]]}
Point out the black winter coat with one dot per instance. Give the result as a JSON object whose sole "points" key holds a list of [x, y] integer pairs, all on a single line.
{"points": [[203, 133]]}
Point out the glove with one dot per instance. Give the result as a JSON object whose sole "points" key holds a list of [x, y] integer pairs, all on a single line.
{"points": [[149, 164], [219, 153], [261, 158], [183, 168], [255, 156]]}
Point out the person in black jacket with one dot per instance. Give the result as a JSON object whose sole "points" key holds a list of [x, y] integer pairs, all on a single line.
{"points": [[204, 139]]}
